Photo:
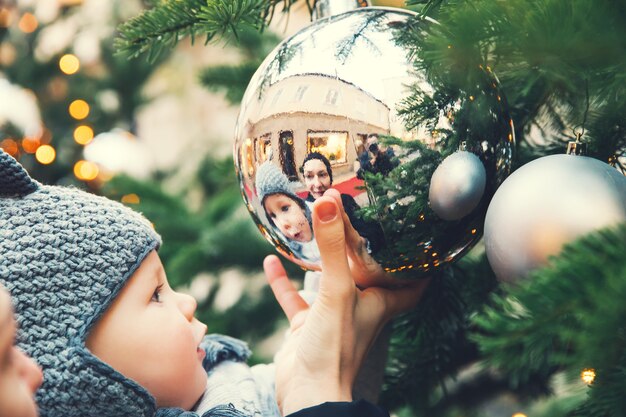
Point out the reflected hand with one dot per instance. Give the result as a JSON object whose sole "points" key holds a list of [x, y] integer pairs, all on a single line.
{"points": [[328, 341]]}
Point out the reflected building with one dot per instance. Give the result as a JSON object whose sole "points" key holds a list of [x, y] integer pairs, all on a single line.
{"points": [[312, 113]]}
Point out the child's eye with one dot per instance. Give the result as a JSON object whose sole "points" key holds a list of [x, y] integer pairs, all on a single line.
{"points": [[284, 209], [156, 296]]}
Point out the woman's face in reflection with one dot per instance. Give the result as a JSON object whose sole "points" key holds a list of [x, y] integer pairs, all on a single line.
{"points": [[19, 375], [316, 177]]}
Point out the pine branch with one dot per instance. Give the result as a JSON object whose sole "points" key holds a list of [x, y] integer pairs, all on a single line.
{"points": [[169, 22], [568, 315]]}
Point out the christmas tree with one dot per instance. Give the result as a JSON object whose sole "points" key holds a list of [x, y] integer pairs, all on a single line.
{"points": [[551, 345]]}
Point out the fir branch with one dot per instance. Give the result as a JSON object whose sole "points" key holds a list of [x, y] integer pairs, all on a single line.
{"points": [[171, 21], [568, 315]]}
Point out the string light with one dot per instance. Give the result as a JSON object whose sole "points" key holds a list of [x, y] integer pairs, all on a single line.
{"points": [[69, 64], [131, 199], [79, 109], [519, 415], [30, 145], [10, 146], [5, 17], [28, 23], [83, 134], [85, 170], [45, 154], [588, 376]]}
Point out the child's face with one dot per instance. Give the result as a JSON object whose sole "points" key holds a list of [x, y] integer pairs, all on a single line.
{"points": [[19, 375], [149, 334], [289, 217], [316, 177]]}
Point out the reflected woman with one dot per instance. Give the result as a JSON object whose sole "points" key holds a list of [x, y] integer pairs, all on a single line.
{"points": [[318, 177]]}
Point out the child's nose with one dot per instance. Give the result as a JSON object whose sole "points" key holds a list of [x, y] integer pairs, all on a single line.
{"points": [[29, 371], [187, 305]]}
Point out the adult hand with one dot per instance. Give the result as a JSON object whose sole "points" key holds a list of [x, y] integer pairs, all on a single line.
{"points": [[366, 271], [328, 341]]}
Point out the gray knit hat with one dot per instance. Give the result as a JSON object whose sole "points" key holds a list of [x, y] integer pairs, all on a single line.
{"points": [[271, 180], [64, 256]]}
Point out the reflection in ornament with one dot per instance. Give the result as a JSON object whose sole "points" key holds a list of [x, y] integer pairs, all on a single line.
{"points": [[457, 186], [546, 204], [346, 86]]}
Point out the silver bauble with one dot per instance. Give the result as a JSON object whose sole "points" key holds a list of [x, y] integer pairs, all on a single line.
{"points": [[457, 186], [344, 84], [547, 203]]}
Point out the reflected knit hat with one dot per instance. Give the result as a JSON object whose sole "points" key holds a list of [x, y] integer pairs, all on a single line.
{"points": [[64, 256], [271, 180]]}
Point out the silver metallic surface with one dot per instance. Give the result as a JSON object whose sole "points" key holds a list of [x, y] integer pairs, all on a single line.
{"points": [[457, 186], [344, 83], [547, 203]]}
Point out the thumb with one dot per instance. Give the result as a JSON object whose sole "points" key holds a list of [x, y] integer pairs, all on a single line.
{"points": [[328, 227]]}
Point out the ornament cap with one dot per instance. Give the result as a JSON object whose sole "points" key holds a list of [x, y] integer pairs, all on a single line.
{"points": [[327, 8], [576, 148]]}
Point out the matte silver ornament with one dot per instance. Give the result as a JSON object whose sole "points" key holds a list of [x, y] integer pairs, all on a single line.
{"points": [[547, 203], [343, 87], [457, 186]]}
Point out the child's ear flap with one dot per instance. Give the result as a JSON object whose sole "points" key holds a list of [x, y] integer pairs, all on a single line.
{"points": [[14, 180]]}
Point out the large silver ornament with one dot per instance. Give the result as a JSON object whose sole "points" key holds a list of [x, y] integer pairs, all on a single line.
{"points": [[346, 87], [547, 203]]}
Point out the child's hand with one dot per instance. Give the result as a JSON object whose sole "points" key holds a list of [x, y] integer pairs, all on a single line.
{"points": [[328, 341]]}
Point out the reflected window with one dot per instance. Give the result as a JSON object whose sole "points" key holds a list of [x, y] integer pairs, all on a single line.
{"points": [[331, 144], [300, 93], [332, 96], [287, 160], [277, 97], [248, 151], [264, 148]]}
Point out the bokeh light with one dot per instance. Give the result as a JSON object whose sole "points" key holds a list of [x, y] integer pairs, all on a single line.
{"points": [[85, 170], [30, 145], [28, 23], [69, 64], [79, 109], [131, 199], [45, 154], [588, 376], [10, 146], [83, 134]]}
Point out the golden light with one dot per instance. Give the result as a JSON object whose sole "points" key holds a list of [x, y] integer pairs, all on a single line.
{"points": [[471, 98], [85, 170], [69, 64], [45, 154], [473, 231], [588, 376], [79, 109], [5, 18], [83, 134], [10, 147], [28, 23], [519, 415], [30, 145], [131, 199]]}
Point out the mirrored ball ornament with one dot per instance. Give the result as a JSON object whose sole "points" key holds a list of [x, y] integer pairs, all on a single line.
{"points": [[344, 104], [547, 203]]}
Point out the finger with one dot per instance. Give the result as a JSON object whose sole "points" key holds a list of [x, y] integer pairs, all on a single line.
{"points": [[401, 300], [284, 291], [353, 238], [328, 227]]}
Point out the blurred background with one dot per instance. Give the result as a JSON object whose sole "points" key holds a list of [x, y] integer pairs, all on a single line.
{"points": [[156, 133]]}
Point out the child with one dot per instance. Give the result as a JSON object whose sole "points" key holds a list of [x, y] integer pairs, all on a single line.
{"points": [[97, 314], [286, 211], [19, 375]]}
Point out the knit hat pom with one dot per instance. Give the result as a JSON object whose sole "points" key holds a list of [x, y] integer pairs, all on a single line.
{"points": [[14, 180]]}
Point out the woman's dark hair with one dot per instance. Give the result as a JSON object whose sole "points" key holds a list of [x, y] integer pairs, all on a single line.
{"points": [[325, 161]]}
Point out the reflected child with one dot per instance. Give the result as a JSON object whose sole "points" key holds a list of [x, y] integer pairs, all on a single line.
{"points": [[286, 212]]}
